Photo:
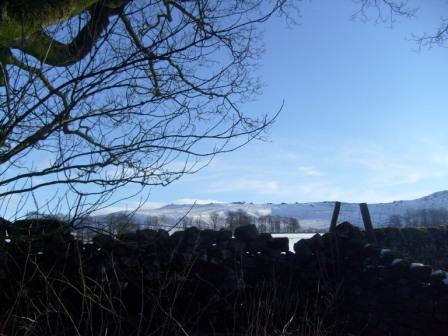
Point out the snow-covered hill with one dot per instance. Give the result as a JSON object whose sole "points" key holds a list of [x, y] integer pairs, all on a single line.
{"points": [[315, 215]]}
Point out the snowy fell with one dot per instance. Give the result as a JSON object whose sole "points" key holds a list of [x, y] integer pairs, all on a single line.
{"points": [[311, 216]]}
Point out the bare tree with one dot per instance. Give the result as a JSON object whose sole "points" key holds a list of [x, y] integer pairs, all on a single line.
{"points": [[263, 224], [237, 218], [96, 95], [119, 223], [151, 222], [100, 94], [293, 224], [395, 221], [425, 217], [388, 11], [186, 222], [214, 217]]}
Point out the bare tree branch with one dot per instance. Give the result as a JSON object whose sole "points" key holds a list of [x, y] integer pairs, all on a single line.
{"points": [[111, 93]]}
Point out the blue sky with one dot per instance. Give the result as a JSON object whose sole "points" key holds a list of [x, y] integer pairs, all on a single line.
{"points": [[365, 115]]}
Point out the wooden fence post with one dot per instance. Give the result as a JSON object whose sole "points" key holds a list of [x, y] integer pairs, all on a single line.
{"points": [[367, 222], [334, 218]]}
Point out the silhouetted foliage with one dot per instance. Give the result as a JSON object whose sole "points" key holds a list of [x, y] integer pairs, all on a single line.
{"points": [[238, 218], [420, 218]]}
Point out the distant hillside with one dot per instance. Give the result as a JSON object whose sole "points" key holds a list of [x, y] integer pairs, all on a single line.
{"points": [[311, 216]]}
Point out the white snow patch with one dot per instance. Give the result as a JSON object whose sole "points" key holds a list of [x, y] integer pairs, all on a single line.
{"points": [[439, 272], [385, 251], [190, 201], [416, 265], [264, 212], [397, 261]]}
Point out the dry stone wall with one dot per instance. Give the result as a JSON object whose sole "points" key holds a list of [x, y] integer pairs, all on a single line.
{"points": [[427, 245], [209, 283]]}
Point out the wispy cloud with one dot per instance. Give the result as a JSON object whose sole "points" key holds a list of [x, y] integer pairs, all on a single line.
{"points": [[309, 171], [264, 187], [383, 167]]}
